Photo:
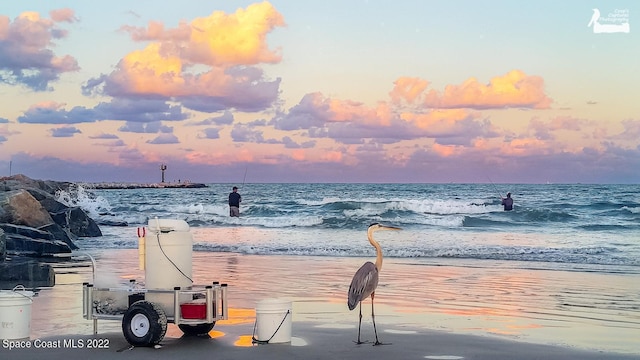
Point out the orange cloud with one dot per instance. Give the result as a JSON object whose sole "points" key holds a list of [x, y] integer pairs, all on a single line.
{"points": [[446, 150], [332, 156], [220, 42], [515, 89], [298, 155], [408, 89], [220, 39], [237, 38], [524, 147], [436, 120]]}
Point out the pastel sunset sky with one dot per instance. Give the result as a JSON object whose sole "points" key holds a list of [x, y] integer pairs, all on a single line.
{"points": [[321, 91]]}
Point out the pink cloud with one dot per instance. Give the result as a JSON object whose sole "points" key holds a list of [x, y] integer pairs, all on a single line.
{"points": [[63, 15], [25, 54]]}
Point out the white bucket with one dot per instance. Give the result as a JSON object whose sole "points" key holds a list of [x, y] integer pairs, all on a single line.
{"points": [[15, 314], [273, 320]]}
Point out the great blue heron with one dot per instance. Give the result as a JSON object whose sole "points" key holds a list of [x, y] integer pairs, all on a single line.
{"points": [[365, 280]]}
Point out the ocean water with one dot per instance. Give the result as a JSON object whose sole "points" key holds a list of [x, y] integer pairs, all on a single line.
{"points": [[581, 227]]}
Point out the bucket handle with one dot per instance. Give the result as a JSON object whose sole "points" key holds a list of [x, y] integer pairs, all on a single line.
{"points": [[18, 289], [256, 341]]}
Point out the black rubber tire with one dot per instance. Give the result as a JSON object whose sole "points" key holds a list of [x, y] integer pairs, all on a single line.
{"points": [[199, 329], [144, 324]]}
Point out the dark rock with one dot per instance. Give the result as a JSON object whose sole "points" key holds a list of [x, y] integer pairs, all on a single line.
{"points": [[62, 234], [30, 232], [26, 246], [19, 271], [77, 221], [3, 246], [47, 201]]}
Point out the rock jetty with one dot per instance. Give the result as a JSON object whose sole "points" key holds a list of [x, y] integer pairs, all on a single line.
{"points": [[33, 224]]}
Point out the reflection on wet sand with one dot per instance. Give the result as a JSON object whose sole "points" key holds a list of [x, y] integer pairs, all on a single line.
{"points": [[590, 310]]}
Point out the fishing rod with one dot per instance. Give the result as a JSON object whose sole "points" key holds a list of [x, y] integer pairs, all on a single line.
{"points": [[495, 187], [245, 177]]}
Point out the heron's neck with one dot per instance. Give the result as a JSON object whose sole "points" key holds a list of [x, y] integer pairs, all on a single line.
{"points": [[378, 250]]}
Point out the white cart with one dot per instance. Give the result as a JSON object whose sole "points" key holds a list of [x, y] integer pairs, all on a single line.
{"points": [[168, 295]]}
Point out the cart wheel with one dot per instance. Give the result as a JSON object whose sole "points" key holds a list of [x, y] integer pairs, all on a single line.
{"points": [[144, 324], [199, 329]]}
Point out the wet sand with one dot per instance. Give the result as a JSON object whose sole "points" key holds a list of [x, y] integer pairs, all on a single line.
{"points": [[432, 311], [310, 342]]}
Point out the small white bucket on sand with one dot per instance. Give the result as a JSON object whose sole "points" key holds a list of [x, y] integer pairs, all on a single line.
{"points": [[15, 314], [273, 321]]}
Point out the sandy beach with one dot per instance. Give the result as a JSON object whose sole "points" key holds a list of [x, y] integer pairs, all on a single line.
{"points": [[423, 311]]}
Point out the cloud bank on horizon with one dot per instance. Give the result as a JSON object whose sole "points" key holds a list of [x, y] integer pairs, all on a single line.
{"points": [[210, 97]]}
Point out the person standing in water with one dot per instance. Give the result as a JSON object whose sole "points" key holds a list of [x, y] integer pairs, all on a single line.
{"points": [[507, 202], [234, 203]]}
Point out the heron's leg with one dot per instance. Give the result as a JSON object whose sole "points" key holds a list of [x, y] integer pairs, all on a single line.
{"points": [[373, 318], [359, 323]]}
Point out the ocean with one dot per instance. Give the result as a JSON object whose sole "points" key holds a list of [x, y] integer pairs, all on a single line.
{"points": [[590, 227], [562, 268]]}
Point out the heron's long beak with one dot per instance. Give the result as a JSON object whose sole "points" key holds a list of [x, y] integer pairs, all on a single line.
{"points": [[384, 227]]}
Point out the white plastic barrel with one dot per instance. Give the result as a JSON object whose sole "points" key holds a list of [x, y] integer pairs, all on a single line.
{"points": [[169, 250], [168, 260], [273, 320], [15, 314]]}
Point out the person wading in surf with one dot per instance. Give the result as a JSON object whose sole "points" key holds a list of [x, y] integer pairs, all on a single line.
{"points": [[234, 203], [507, 202]]}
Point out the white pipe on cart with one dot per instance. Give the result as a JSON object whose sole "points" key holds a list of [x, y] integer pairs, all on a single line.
{"points": [[141, 247], [208, 297]]}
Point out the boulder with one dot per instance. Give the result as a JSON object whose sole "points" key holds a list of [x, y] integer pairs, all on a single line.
{"points": [[77, 221], [62, 234], [26, 272], [21, 208], [26, 246], [3, 246]]}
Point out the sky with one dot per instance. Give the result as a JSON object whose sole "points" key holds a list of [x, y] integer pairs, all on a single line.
{"points": [[321, 91]]}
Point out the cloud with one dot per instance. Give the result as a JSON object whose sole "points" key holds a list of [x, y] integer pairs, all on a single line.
{"points": [[224, 119], [631, 130], [26, 57], [164, 139], [408, 89], [63, 15], [545, 130], [67, 131], [513, 90], [291, 144], [117, 109], [104, 136], [223, 48], [153, 127], [209, 133], [351, 122], [220, 39], [244, 133]]}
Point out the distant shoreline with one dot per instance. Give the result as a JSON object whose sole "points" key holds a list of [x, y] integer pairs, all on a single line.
{"points": [[186, 185]]}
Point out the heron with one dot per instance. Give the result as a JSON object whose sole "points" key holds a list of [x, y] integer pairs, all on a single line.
{"points": [[365, 280]]}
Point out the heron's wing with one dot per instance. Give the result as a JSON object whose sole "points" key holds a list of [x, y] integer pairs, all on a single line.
{"points": [[364, 282]]}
